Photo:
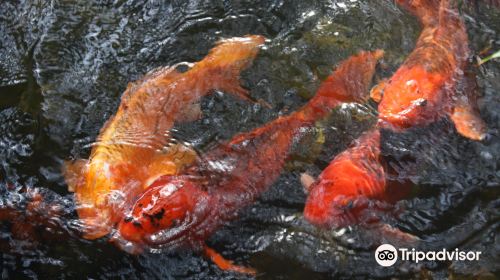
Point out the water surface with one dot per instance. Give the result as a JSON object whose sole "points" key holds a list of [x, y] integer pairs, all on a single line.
{"points": [[64, 65]]}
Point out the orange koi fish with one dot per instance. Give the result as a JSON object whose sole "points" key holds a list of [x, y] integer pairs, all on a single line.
{"points": [[185, 210], [432, 82], [133, 146]]}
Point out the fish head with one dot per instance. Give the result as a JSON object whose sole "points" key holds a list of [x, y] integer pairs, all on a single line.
{"points": [[329, 209], [412, 97], [165, 213], [343, 210], [343, 192]]}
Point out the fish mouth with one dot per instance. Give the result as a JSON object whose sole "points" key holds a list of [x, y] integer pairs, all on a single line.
{"points": [[188, 232], [163, 239], [125, 245], [181, 230], [332, 215], [335, 219], [341, 218], [169, 239], [343, 211], [406, 117]]}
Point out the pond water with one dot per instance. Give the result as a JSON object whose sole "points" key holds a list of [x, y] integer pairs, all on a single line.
{"points": [[64, 65]]}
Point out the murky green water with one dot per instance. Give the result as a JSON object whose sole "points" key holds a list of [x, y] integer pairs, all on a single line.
{"points": [[64, 65]]}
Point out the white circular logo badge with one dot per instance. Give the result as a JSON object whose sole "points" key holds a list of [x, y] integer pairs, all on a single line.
{"points": [[386, 255]]}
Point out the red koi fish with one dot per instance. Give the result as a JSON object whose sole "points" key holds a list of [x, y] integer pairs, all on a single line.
{"points": [[185, 210], [33, 217], [133, 146], [432, 82], [334, 199]]}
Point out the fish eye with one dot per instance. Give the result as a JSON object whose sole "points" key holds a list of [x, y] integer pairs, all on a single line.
{"points": [[345, 205], [422, 102], [128, 219], [182, 67], [349, 205], [137, 224]]}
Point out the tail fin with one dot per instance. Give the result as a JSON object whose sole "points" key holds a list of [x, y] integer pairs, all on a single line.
{"points": [[349, 83], [222, 66], [426, 10]]}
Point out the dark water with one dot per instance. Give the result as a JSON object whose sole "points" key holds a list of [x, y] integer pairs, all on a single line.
{"points": [[64, 65]]}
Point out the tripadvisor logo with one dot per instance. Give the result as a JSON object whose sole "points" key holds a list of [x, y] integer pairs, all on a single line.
{"points": [[387, 255]]}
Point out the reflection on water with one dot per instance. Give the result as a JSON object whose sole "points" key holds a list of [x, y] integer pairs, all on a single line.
{"points": [[80, 57]]}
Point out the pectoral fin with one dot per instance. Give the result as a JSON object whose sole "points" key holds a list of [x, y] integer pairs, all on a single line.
{"points": [[392, 235], [73, 172], [225, 264], [465, 114], [307, 181], [377, 92], [191, 113], [232, 86], [468, 122]]}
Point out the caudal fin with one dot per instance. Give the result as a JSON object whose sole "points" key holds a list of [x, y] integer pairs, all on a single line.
{"points": [[349, 83], [427, 11], [221, 68]]}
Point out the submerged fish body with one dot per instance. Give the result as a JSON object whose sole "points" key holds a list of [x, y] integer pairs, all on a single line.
{"points": [[433, 81], [187, 209], [134, 147]]}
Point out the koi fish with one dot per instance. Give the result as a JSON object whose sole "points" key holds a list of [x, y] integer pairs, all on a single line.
{"points": [[134, 147], [433, 81], [185, 210], [32, 216], [353, 187], [334, 199]]}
